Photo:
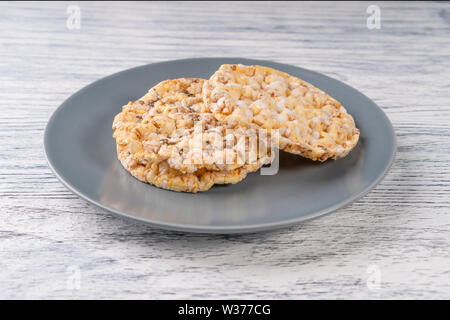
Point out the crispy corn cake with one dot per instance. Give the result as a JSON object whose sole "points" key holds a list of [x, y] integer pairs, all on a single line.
{"points": [[166, 139], [304, 119]]}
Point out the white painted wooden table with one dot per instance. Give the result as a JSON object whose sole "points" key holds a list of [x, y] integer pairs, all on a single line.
{"points": [[393, 243]]}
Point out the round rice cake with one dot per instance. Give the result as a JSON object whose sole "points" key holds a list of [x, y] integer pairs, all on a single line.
{"points": [[165, 139], [163, 176], [168, 124], [303, 119]]}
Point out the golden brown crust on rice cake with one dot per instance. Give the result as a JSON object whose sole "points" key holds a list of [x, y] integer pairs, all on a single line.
{"points": [[163, 176], [165, 139], [308, 121], [168, 124]]}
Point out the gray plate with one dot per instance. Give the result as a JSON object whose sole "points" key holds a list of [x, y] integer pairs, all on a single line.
{"points": [[81, 151]]}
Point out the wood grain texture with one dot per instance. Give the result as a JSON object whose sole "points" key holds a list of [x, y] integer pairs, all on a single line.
{"points": [[399, 231]]}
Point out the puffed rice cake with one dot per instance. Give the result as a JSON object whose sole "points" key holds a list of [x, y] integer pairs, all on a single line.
{"points": [[165, 139], [160, 174], [306, 120]]}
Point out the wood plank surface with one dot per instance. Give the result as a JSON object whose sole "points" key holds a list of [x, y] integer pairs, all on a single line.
{"points": [[392, 244]]}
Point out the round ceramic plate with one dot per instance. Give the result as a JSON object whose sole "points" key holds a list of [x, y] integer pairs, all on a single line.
{"points": [[82, 153]]}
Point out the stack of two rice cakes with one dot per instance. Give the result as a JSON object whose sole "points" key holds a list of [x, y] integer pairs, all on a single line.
{"points": [[188, 134]]}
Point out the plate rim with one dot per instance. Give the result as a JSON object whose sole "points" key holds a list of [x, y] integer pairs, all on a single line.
{"points": [[220, 229]]}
